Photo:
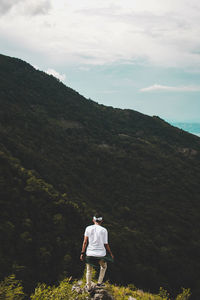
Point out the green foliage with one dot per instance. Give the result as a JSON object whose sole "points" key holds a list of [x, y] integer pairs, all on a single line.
{"points": [[11, 289], [163, 293], [184, 295], [124, 293], [31, 203], [63, 291]]}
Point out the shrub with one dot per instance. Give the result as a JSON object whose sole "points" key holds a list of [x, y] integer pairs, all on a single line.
{"points": [[11, 289], [63, 291]]}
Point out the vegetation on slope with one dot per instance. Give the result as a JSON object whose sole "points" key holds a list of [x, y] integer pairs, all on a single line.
{"points": [[11, 289], [63, 156], [38, 232]]}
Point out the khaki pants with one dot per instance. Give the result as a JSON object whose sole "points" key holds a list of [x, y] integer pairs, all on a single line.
{"points": [[103, 267]]}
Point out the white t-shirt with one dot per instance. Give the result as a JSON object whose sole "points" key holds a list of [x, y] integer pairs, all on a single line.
{"points": [[97, 237]]}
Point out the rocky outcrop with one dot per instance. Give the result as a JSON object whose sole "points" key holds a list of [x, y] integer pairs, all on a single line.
{"points": [[101, 294], [97, 293]]}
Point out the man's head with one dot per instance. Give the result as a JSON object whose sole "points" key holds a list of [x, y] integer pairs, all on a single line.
{"points": [[97, 218]]}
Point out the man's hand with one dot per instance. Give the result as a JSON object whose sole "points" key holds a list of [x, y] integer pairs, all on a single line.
{"points": [[112, 255], [108, 249], [85, 241], [82, 257]]}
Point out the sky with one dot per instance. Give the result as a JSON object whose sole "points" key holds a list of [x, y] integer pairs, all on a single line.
{"points": [[137, 54]]}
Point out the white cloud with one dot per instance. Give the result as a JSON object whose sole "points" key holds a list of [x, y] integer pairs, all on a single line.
{"points": [[61, 77], [6, 5], [26, 7], [165, 88], [159, 32], [36, 7]]}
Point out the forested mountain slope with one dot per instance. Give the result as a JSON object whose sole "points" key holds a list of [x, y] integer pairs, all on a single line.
{"points": [[64, 157]]}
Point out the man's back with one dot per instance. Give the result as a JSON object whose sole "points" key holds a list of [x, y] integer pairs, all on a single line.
{"points": [[97, 237]]}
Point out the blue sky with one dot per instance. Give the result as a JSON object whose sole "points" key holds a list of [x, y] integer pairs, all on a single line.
{"points": [[141, 54]]}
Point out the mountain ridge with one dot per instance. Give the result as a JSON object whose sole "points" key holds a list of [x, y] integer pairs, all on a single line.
{"points": [[141, 172]]}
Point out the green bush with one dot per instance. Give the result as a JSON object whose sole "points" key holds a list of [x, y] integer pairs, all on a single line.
{"points": [[63, 291], [11, 289], [185, 295]]}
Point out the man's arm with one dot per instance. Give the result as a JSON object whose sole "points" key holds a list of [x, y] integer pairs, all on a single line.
{"points": [[85, 241], [109, 250]]}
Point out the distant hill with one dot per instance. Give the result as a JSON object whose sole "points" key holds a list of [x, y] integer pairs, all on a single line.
{"points": [[190, 127], [64, 157]]}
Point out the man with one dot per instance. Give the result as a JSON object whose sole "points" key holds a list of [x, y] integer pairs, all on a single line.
{"points": [[96, 236]]}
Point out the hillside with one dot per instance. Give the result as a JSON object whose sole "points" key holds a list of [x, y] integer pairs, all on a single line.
{"points": [[64, 157]]}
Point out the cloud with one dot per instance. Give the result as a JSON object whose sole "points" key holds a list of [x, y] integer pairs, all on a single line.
{"points": [[6, 5], [37, 7], [165, 88], [25, 7], [163, 33], [157, 32], [61, 77]]}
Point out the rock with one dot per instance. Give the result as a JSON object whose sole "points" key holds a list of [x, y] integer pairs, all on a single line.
{"points": [[77, 289], [97, 293], [101, 294]]}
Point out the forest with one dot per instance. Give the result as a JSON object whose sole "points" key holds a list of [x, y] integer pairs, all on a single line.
{"points": [[63, 157]]}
